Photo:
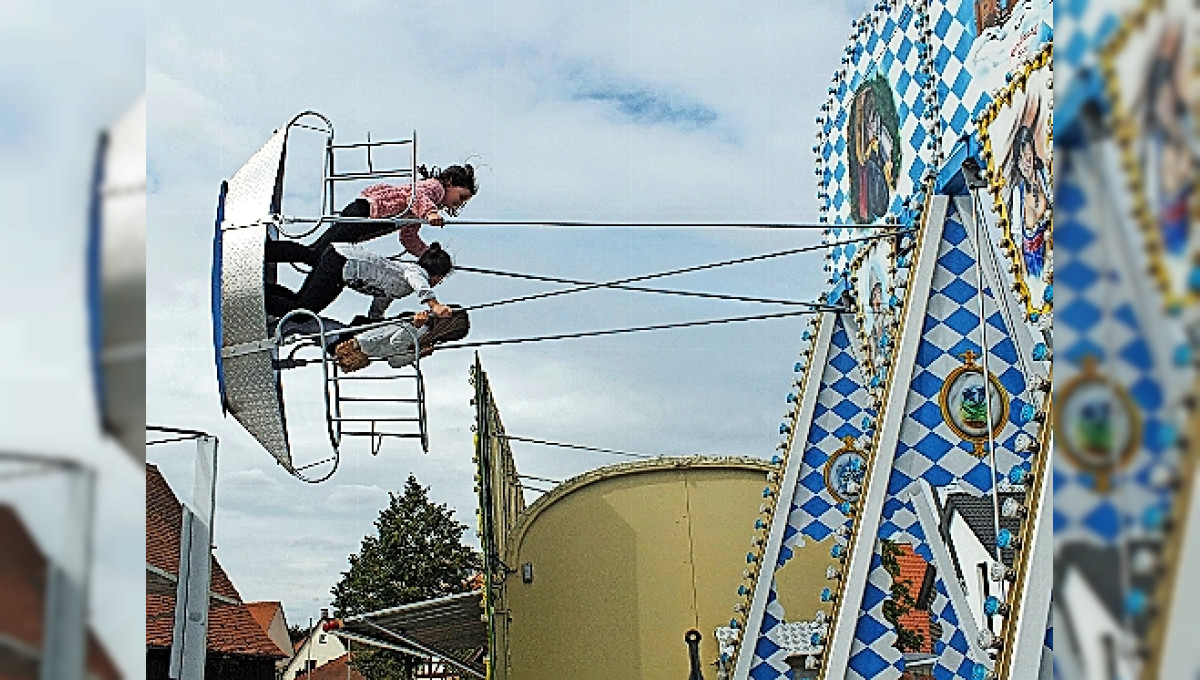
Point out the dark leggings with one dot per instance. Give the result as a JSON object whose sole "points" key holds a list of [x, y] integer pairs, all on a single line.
{"points": [[322, 286], [286, 250]]}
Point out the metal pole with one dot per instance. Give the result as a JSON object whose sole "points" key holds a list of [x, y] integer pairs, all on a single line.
{"points": [[190, 631], [64, 645]]}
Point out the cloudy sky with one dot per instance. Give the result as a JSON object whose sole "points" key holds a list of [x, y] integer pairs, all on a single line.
{"points": [[67, 70], [663, 111]]}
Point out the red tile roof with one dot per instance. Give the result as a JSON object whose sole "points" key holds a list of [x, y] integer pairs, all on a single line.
{"points": [[264, 612], [913, 569], [232, 628], [22, 590], [334, 670]]}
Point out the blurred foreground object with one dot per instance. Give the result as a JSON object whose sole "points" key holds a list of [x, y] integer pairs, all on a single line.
{"points": [[1126, 532], [116, 280]]}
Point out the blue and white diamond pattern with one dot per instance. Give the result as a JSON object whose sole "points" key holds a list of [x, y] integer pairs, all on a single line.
{"points": [[1098, 317], [1082, 28], [928, 448], [842, 401], [972, 68], [873, 655], [892, 45]]}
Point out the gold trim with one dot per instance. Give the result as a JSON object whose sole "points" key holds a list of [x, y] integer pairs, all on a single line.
{"points": [[1043, 59], [969, 366], [1125, 130], [1102, 472], [847, 447]]}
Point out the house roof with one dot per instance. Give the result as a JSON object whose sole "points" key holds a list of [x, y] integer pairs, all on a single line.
{"points": [[264, 612], [978, 513], [915, 570], [22, 589], [338, 669], [232, 628]]}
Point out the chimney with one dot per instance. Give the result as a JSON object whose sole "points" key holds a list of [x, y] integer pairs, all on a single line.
{"points": [[324, 614]]}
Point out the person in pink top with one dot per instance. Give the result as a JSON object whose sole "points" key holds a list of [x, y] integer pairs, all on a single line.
{"points": [[438, 190]]}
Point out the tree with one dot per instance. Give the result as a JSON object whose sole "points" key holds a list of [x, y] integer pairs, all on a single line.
{"points": [[416, 554]]}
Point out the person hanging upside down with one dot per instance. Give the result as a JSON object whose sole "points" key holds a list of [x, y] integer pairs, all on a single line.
{"points": [[447, 190], [394, 343], [348, 265]]}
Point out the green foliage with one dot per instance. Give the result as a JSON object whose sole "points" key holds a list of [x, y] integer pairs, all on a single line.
{"points": [[416, 554]]}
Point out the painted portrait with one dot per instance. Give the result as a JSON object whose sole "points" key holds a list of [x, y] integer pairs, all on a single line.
{"points": [[1027, 191], [1146, 69], [1016, 132], [1166, 153], [873, 294], [874, 149], [973, 407]]}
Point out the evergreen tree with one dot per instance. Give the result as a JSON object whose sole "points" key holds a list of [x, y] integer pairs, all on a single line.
{"points": [[417, 554]]}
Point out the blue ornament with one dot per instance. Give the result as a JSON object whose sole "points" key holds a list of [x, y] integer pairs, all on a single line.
{"points": [[1183, 355], [742, 590], [1167, 435], [815, 638], [758, 524], [784, 429], [806, 335], [991, 606], [1034, 316], [1135, 602], [734, 624], [1155, 518], [767, 492], [1004, 539], [845, 507], [750, 558], [893, 302], [979, 672], [791, 397], [1027, 413], [826, 594], [776, 460], [798, 367], [1017, 475], [1041, 352], [867, 423], [837, 550], [1048, 294]]}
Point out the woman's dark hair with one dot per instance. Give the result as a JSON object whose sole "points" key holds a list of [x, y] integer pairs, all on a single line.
{"points": [[436, 261], [454, 327], [1024, 138], [453, 176]]}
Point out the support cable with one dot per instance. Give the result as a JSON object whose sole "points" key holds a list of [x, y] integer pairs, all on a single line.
{"points": [[891, 233], [638, 289], [578, 447], [618, 331]]}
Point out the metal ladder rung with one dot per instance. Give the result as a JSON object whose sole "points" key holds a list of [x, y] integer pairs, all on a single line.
{"points": [[359, 145], [342, 177], [375, 420], [372, 377], [390, 400], [393, 435]]}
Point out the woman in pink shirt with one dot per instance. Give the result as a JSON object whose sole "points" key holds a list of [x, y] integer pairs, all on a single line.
{"points": [[447, 190]]}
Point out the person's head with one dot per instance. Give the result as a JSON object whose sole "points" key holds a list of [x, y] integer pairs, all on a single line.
{"points": [[454, 327], [1026, 156], [459, 183], [436, 262]]}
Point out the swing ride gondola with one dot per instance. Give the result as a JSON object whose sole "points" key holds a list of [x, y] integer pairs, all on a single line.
{"points": [[255, 351]]}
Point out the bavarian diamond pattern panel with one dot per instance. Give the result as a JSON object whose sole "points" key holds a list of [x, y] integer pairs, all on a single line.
{"points": [[889, 42], [929, 448], [1099, 336], [974, 56], [842, 402]]}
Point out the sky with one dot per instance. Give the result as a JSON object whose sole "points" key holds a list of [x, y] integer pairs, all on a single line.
{"points": [[67, 71], [666, 111]]}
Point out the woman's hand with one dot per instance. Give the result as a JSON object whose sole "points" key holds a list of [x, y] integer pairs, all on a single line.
{"points": [[435, 218], [420, 318], [439, 310]]}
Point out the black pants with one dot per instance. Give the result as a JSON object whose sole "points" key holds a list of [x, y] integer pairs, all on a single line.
{"points": [[284, 250], [322, 286]]}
